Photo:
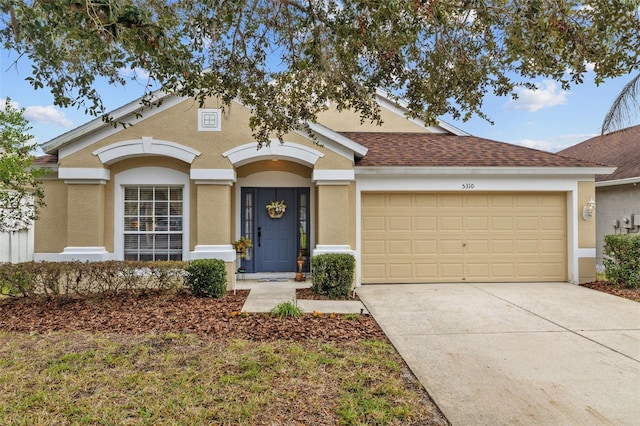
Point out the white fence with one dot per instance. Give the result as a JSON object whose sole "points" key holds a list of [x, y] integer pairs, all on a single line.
{"points": [[16, 246]]}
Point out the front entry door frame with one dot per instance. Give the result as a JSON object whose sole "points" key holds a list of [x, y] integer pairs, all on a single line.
{"points": [[277, 242]]}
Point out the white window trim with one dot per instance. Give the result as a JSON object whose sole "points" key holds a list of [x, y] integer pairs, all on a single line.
{"points": [[148, 176]]}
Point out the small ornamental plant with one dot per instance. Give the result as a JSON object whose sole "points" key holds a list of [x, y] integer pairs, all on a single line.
{"points": [[242, 245], [277, 206]]}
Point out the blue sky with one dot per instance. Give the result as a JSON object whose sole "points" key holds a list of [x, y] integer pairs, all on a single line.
{"points": [[548, 119]]}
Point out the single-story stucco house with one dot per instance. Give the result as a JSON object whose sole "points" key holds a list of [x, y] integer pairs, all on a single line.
{"points": [[413, 203], [618, 193]]}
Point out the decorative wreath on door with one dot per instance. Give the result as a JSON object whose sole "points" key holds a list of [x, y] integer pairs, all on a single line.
{"points": [[276, 209]]}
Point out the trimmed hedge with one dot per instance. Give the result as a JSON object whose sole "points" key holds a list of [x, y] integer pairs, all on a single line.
{"points": [[622, 259], [52, 279], [207, 278], [333, 274]]}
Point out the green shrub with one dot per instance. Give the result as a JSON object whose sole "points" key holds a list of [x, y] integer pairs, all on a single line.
{"points": [[287, 310], [207, 277], [59, 279], [333, 274], [622, 259]]}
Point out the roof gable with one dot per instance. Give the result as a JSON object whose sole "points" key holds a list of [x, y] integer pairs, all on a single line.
{"points": [[620, 149]]}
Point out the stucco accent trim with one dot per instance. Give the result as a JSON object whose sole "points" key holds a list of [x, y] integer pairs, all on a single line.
{"points": [[333, 177], [328, 248], [224, 252], [145, 146], [84, 254], [247, 153], [81, 175], [213, 176]]}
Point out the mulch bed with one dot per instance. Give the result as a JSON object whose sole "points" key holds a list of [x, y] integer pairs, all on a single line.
{"points": [[605, 287], [176, 312]]}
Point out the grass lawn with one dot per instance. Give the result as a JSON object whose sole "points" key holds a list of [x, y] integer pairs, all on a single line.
{"points": [[113, 379]]}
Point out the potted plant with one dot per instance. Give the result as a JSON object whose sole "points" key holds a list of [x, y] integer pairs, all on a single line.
{"points": [[241, 246], [276, 209]]}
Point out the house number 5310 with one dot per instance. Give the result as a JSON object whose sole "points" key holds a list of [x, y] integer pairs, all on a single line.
{"points": [[468, 186]]}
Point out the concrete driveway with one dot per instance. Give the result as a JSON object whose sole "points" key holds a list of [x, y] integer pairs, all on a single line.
{"points": [[534, 353]]}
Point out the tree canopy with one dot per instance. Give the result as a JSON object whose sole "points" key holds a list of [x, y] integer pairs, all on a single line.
{"points": [[286, 59], [20, 190]]}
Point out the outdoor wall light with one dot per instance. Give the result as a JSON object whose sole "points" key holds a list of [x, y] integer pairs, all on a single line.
{"points": [[589, 209]]}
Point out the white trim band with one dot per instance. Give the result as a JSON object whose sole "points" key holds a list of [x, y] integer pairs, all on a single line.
{"points": [[94, 254], [84, 173], [213, 176], [333, 177], [224, 252]]}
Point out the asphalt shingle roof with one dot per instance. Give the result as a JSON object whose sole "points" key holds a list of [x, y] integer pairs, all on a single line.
{"points": [[446, 150], [620, 149]]}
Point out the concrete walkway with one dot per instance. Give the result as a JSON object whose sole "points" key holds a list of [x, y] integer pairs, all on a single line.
{"points": [[526, 354], [265, 295]]}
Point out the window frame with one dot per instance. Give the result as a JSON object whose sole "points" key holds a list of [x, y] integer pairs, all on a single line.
{"points": [[149, 176]]}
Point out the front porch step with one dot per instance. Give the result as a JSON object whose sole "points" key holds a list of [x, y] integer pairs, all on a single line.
{"points": [[264, 296]]}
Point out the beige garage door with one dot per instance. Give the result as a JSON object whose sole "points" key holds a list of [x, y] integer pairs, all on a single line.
{"points": [[479, 237]]}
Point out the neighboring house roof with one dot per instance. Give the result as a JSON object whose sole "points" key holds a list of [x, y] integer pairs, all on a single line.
{"points": [[45, 160], [620, 149], [446, 150]]}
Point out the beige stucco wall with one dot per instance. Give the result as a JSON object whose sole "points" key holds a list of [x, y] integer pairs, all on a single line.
{"points": [[587, 269], [586, 232], [213, 214], [333, 215], [86, 213], [179, 124], [51, 226], [347, 121], [586, 228]]}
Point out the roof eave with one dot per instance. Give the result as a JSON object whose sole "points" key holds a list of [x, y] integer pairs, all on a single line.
{"points": [[359, 150], [617, 182], [403, 108], [444, 170], [52, 146]]}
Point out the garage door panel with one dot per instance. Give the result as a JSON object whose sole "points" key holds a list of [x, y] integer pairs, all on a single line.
{"points": [[450, 247], [446, 237], [552, 223], [503, 271], [401, 247], [451, 271], [502, 246], [553, 247], [477, 271], [399, 201], [373, 247], [527, 223], [527, 247], [502, 223], [480, 247], [374, 223], [426, 272], [426, 223], [425, 200], [400, 271], [477, 223], [400, 223], [453, 223], [425, 247]]}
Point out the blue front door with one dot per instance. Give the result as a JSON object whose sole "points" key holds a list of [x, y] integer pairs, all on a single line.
{"points": [[276, 241]]}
